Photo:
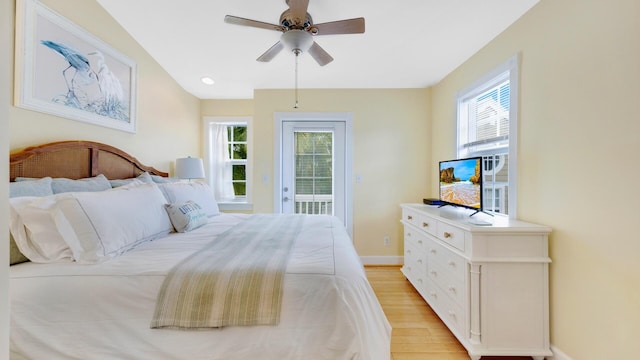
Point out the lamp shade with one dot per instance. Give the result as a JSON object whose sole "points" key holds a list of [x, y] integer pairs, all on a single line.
{"points": [[189, 168]]}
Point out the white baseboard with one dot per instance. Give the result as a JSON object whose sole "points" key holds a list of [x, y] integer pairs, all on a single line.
{"points": [[558, 354], [382, 260]]}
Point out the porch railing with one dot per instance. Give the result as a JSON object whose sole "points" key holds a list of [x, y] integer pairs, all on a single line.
{"points": [[314, 204]]}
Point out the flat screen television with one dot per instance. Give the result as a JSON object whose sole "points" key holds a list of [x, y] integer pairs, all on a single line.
{"points": [[461, 183]]}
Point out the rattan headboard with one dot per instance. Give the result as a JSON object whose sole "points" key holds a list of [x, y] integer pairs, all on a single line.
{"points": [[75, 160]]}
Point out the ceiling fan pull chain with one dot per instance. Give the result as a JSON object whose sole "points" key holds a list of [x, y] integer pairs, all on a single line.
{"points": [[297, 52]]}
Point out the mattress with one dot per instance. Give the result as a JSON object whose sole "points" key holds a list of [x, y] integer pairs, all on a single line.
{"points": [[104, 310]]}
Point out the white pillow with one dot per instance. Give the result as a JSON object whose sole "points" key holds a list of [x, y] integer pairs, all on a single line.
{"points": [[39, 187], [198, 192], [62, 185], [101, 225], [35, 232], [186, 216], [144, 177]]}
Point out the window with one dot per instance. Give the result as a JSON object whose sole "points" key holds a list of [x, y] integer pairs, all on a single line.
{"points": [[227, 160], [237, 137], [314, 172], [487, 121]]}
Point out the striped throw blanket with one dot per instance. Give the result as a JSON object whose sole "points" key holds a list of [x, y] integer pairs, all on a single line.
{"points": [[234, 280]]}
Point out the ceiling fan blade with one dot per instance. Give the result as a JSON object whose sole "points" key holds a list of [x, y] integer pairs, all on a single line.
{"points": [[230, 19], [298, 10], [319, 55], [271, 53], [350, 26]]}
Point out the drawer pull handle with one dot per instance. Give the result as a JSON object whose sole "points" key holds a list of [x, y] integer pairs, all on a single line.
{"points": [[452, 289], [434, 295], [452, 263], [424, 224], [433, 251], [408, 234], [447, 235], [420, 242], [419, 261], [408, 252], [434, 273], [452, 314], [409, 217]]}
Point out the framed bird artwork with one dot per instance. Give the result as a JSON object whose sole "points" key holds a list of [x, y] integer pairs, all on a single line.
{"points": [[63, 70]]}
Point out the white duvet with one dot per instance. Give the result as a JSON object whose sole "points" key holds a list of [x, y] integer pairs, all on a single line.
{"points": [[103, 311]]}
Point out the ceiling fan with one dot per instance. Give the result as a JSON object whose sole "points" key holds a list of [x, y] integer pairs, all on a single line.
{"points": [[298, 31]]}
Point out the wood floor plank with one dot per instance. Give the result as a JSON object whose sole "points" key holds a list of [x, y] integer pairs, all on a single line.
{"points": [[418, 333]]}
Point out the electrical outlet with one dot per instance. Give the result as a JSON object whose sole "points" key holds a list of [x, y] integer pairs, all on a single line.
{"points": [[386, 241]]}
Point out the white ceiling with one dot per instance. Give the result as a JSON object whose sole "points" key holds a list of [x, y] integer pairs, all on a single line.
{"points": [[407, 44]]}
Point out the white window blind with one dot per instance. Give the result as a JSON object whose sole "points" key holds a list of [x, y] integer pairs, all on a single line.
{"points": [[486, 119]]}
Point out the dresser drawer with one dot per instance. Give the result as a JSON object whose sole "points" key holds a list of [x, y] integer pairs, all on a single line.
{"points": [[416, 238], [416, 275], [451, 313], [446, 260], [448, 284], [415, 256], [451, 235], [415, 218]]}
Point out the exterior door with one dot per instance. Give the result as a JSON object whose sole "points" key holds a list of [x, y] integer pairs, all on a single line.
{"points": [[314, 169]]}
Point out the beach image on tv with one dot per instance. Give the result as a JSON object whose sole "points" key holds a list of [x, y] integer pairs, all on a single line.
{"points": [[460, 182]]}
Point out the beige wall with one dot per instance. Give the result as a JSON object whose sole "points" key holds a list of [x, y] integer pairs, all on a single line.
{"points": [[167, 115], [6, 33], [391, 152], [578, 139]]}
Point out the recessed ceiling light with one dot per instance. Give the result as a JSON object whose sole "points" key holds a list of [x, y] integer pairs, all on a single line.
{"points": [[207, 80]]}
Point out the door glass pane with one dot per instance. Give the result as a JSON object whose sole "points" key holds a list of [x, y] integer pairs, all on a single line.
{"points": [[314, 172]]}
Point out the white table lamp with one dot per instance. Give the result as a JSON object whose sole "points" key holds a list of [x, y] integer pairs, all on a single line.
{"points": [[189, 168]]}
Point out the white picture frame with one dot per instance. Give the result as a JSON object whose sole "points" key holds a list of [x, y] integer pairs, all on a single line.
{"points": [[63, 70]]}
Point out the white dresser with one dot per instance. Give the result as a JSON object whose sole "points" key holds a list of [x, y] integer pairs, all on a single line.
{"points": [[488, 283]]}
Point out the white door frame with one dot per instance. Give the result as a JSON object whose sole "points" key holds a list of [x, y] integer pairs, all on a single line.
{"points": [[347, 118]]}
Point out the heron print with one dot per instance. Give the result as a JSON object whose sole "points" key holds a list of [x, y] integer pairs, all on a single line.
{"points": [[91, 86]]}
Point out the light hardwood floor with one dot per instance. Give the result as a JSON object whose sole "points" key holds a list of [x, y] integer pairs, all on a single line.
{"points": [[417, 332]]}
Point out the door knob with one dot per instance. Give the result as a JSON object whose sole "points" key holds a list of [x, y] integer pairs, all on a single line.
{"points": [[285, 199]]}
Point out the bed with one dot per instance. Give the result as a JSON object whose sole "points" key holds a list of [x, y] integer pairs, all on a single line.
{"points": [[76, 301]]}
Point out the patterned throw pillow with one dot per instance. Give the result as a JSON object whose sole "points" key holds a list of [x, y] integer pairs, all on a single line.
{"points": [[186, 216]]}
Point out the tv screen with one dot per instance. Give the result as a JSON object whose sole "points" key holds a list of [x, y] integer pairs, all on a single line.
{"points": [[461, 182]]}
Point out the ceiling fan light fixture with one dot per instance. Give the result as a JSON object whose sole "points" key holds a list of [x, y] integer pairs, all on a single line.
{"points": [[297, 40]]}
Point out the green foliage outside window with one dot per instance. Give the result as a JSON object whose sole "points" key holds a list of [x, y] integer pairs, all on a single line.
{"points": [[237, 136]]}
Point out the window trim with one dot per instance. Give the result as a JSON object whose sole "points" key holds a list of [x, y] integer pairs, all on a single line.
{"points": [[509, 69], [240, 203]]}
